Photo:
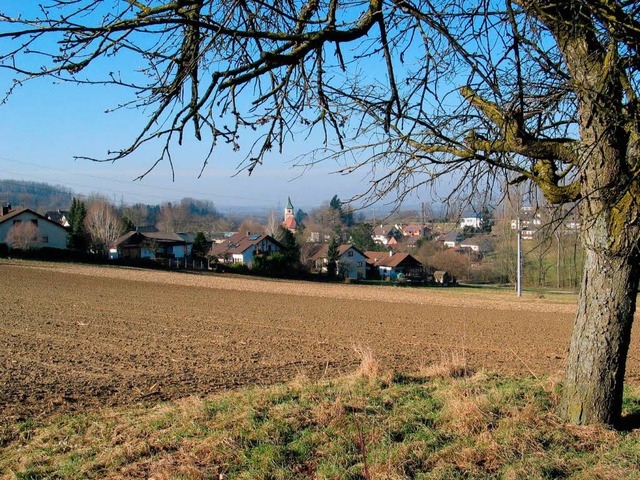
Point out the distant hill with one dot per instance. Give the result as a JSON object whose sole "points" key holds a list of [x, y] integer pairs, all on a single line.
{"points": [[37, 196]]}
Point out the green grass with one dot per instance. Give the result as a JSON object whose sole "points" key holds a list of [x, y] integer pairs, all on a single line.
{"points": [[365, 426]]}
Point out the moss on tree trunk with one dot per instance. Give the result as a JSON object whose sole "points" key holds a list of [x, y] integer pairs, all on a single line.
{"points": [[601, 333]]}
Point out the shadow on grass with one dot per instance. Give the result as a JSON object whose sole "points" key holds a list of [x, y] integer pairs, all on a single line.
{"points": [[630, 419], [629, 422]]}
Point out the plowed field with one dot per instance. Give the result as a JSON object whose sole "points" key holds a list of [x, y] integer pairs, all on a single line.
{"points": [[76, 336]]}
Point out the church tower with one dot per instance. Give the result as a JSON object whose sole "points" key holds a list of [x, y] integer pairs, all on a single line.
{"points": [[289, 217]]}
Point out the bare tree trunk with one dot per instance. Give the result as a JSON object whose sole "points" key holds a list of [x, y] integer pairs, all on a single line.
{"points": [[601, 336]]}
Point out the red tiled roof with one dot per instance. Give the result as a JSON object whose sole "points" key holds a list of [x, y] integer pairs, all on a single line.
{"points": [[384, 230], [290, 223], [240, 243], [374, 256]]}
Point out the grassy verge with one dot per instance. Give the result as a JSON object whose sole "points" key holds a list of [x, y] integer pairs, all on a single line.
{"points": [[446, 424]]}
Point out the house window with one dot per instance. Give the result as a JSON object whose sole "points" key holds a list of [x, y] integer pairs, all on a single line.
{"points": [[15, 222], [35, 222], [350, 253], [45, 239], [359, 264]]}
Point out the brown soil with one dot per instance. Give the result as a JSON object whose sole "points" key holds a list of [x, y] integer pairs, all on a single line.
{"points": [[76, 336]]}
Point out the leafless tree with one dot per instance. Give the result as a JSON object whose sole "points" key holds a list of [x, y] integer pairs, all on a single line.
{"points": [[102, 224], [23, 236], [136, 214], [537, 91], [173, 218], [272, 224], [250, 226]]}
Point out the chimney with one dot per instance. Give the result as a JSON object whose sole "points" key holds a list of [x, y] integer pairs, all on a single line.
{"points": [[6, 209], [248, 233], [391, 253]]}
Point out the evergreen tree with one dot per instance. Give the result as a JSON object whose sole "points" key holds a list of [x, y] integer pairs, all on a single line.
{"points": [[300, 217], [332, 257], [345, 215], [361, 237], [291, 251], [77, 237], [200, 245], [336, 204]]}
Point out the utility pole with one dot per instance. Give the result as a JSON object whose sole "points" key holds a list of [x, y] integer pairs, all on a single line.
{"points": [[519, 272]]}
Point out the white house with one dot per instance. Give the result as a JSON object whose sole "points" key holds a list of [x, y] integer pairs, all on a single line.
{"points": [[478, 244], [241, 248], [531, 220], [386, 234], [351, 263], [50, 234], [58, 216], [471, 219], [451, 239]]}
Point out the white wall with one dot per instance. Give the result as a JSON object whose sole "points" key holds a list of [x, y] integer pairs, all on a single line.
{"points": [[54, 234], [350, 264]]}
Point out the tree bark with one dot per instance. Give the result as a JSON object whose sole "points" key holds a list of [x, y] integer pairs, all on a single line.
{"points": [[601, 334]]}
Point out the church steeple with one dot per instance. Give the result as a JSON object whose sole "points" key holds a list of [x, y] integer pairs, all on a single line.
{"points": [[288, 211], [289, 217]]}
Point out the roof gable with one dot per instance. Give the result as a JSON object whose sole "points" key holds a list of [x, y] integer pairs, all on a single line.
{"points": [[398, 259], [58, 216], [290, 223], [384, 230], [18, 211], [135, 238], [452, 236], [240, 243], [323, 251]]}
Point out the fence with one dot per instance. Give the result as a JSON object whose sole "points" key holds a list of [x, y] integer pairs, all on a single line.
{"points": [[184, 263]]}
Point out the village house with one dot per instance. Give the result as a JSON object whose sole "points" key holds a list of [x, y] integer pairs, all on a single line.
{"points": [[479, 244], [386, 234], [414, 230], [61, 217], [241, 248], [531, 220], [319, 237], [451, 239], [443, 277], [351, 263], [471, 220], [47, 234], [390, 265], [136, 245]]}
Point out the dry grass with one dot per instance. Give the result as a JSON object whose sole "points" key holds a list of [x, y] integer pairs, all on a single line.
{"points": [[480, 426], [369, 367], [452, 364]]}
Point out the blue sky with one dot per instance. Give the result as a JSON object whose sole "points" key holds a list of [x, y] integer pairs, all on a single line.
{"points": [[45, 124]]}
